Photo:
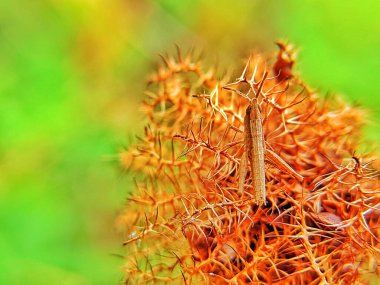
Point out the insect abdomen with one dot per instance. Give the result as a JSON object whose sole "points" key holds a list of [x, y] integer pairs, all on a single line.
{"points": [[257, 153]]}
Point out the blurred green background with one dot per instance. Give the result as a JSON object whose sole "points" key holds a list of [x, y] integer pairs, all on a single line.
{"points": [[71, 76]]}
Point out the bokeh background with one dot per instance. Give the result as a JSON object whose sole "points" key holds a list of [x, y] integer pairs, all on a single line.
{"points": [[71, 76]]}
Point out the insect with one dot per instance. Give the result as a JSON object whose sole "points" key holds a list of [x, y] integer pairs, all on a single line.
{"points": [[255, 151]]}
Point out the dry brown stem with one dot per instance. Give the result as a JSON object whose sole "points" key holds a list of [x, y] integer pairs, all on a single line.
{"points": [[188, 223]]}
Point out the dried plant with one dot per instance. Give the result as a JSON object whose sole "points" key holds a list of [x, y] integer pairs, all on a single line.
{"points": [[189, 222]]}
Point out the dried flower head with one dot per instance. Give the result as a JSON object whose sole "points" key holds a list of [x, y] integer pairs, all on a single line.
{"points": [[190, 222]]}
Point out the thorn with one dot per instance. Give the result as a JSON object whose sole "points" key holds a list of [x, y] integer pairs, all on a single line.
{"points": [[179, 56], [243, 77], [164, 60]]}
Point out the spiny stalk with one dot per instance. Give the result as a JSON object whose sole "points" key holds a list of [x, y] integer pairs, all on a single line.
{"points": [[189, 222]]}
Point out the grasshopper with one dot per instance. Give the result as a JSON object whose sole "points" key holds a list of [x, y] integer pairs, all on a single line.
{"points": [[255, 151]]}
